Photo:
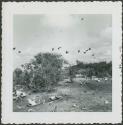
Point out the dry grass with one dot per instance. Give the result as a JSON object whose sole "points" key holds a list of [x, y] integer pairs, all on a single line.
{"points": [[90, 97]]}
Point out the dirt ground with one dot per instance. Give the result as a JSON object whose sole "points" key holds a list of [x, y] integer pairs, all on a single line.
{"points": [[74, 97]]}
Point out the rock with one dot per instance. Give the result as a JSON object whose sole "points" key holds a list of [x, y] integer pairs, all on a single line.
{"points": [[32, 102], [106, 102], [23, 94], [14, 97], [52, 98], [59, 97], [74, 105], [98, 80]]}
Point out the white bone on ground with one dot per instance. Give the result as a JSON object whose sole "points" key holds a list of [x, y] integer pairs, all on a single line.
{"points": [[106, 101], [53, 97], [23, 94], [98, 80], [29, 110], [32, 102], [18, 93], [74, 105]]}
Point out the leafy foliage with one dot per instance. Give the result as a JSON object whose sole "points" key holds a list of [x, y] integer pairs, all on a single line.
{"points": [[100, 69], [43, 70]]}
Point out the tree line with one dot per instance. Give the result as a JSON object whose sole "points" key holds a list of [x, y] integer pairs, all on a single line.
{"points": [[100, 69]]}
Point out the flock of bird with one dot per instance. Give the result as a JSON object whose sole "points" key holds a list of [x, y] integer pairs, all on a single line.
{"points": [[67, 52], [15, 49], [78, 50]]}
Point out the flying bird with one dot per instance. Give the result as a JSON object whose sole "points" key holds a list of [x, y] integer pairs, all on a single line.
{"points": [[89, 49], [22, 65], [92, 54], [82, 18], [78, 51], [67, 52], [59, 48], [19, 51], [14, 48], [52, 49], [84, 52]]}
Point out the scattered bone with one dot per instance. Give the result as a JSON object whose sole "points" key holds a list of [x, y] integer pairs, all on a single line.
{"points": [[30, 110], [74, 105], [52, 98], [106, 102]]}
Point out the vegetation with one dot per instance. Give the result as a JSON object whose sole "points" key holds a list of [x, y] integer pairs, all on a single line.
{"points": [[101, 69], [42, 71]]}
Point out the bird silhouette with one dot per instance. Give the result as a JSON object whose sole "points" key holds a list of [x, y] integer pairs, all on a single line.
{"points": [[14, 48], [59, 48], [92, 54], [19, 51], [88, 49], [22, 65], [52, 49], [67, 52], [78, 51], [82, 18], [84, 52]]}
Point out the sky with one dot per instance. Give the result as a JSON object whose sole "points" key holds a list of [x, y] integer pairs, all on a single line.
{"points": [[40, 33]]}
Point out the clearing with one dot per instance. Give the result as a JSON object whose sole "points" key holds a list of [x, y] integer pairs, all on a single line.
{"points": [[79, 96]]}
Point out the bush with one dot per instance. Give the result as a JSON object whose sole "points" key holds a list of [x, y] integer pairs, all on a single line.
{"points": [[44, 70]]}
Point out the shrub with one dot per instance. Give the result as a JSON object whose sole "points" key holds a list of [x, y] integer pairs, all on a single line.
{"points": [[44, 70]]}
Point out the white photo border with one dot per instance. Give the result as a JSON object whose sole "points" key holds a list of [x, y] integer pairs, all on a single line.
{"points": [[11, 8]]}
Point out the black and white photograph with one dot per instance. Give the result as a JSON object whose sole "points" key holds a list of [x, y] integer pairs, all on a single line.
{"points": [[61, 61]]}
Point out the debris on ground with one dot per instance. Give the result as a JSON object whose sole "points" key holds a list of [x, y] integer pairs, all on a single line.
{"points": [[83, 108], [52, 98], [106, 102], [55, 97], [32, 102], [19, 107], [74, 105], [20, 93], [30, 110], [59, 97], [15, 97], [98, 80]]}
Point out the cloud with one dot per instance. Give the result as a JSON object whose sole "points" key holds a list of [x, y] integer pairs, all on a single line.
{"points": [[41, 33], [106, 36]]}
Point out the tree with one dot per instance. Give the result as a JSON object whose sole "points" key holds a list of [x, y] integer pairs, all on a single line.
{"points": [[43, 71]]}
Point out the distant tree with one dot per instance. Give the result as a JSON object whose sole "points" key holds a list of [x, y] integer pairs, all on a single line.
{"points": [[100, 69]]}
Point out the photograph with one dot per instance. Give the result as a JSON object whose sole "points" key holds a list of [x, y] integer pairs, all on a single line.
{"points": [[62, 63]]}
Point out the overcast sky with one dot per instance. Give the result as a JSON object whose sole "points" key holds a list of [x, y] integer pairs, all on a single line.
{"points": [[41, 33]]}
